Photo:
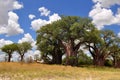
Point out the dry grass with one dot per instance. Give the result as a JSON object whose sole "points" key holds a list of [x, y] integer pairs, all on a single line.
{"points": [[34, 71]]}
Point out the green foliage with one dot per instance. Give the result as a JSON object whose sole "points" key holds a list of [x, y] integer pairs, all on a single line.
{"points": [[9, 48], [62, 34], [22, 48], [84, 59], [100, 45], [108, 62]]}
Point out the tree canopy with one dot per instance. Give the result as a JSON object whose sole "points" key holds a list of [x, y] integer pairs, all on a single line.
{"points": [[9, 49], [22, 48], [65, 32]]}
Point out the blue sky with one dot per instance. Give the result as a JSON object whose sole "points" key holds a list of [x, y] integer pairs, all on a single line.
{"points": [[105, 15], [62, 7]]}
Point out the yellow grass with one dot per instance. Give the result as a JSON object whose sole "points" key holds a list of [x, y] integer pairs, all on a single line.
{"points": [[34, 71]]}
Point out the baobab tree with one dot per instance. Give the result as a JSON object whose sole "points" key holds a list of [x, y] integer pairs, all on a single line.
{"points": [[99, 44], [66, 31]]}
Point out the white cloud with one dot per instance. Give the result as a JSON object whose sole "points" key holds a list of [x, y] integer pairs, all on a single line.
{"points": [[31, 16], [3, 29], [9, 19], [37, 23], [13, 26], [119, 34], [27, 38], [106, 3], [5, 6], [32, 54], [16, 5], [4, 42], [34, 46], [103, 16], [44, 11], [54, 17], [36, 52], [2, 57]]}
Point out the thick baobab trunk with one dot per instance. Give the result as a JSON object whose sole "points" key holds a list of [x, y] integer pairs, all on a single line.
{"points": [[116, 63], [98, 61], [98, 58], [71, 56], [57, 58], [71, 51]]}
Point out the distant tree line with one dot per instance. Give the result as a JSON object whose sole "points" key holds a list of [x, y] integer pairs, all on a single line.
{"points": [[66, 37], [20, 48]]}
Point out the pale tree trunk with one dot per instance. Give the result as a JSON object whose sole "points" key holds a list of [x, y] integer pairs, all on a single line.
{"points": [[71, 55], [71, 52]]}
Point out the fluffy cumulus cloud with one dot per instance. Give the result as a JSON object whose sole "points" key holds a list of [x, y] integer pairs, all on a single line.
{"points": [[103, 15], [33, 53], [4, 42], [44, 11], [13, 27], [28, 38], [9, 20], [106, 3], [119, 34], [5, 6], [31, 16], [54, 17], [16, 5], [37, 23], [37, 52]]}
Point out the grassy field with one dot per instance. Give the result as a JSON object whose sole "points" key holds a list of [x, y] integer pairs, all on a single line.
{"points": [[34, 71]]}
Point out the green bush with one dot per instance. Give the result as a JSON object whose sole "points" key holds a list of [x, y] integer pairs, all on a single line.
{"points": [[108, 62], [84, 59]]}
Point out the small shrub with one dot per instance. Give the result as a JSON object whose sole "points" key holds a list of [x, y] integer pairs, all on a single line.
{"points": [[108, 63]]}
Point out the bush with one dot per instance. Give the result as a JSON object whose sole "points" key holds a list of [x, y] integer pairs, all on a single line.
{"points": [[108, 62], [84, 59]]}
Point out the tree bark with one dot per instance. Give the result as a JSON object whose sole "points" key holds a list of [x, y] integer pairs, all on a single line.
{"points": [[57, 58], [71, 51], [9, 57], [71, 58], [98, 60], [116, 63], [22, 57]]}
